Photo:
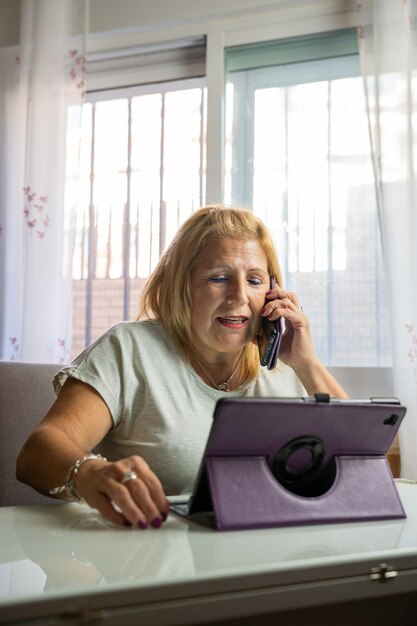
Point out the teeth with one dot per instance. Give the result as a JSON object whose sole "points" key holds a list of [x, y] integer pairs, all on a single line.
{"points": [[234, 319]]}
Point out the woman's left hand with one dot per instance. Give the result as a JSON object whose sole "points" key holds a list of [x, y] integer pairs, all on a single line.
{"points": [[296, 347]]}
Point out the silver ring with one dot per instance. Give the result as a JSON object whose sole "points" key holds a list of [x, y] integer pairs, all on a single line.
{"points": [[300, 308], [128, 476]]}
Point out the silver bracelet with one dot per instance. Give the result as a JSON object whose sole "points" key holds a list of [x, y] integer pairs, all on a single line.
{"points": [[69, 487]]}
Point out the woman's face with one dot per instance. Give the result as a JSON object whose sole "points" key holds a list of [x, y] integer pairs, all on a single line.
{"points": [[228, 285]]}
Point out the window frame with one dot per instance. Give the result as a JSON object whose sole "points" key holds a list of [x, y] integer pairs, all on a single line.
{"points": [[239, 27]]}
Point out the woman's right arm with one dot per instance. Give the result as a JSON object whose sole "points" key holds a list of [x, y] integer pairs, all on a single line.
{"points": [[78, 420]]}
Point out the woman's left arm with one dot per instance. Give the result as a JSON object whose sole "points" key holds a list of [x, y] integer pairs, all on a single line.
{"points": [[297, 348], [316, 378]]}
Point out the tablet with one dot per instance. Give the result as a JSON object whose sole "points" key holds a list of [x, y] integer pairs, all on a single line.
{"points": [[294, 451]]}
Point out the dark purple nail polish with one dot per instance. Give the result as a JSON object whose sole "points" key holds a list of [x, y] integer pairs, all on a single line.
{"points": [[143, 524], [164, 516], [156, 522]]}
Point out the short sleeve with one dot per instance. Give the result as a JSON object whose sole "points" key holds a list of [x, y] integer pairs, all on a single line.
{"points": [[102, 366]]}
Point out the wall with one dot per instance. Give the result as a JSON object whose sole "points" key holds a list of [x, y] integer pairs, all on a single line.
{"points": [[124, 17], [106, 15]]}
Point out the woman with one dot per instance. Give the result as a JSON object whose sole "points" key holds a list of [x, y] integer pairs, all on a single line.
{"points": [[144, 393]]}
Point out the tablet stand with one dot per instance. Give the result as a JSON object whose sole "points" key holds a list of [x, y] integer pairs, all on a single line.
{"points": [[245, 494]]}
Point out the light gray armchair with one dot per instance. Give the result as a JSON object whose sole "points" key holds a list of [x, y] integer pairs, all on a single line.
{"points": [[26, 394]]}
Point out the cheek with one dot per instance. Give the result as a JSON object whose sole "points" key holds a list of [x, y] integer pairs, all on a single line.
{"points": [[259, 302], [258, 305], [195, 317], [207, 299], [200, 309]]}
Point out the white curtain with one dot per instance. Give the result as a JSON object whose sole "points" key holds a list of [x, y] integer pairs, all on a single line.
{"points": [[387, 31], [39, 80]]}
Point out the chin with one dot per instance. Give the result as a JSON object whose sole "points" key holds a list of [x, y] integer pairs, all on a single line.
{"points": [[232, 346]]}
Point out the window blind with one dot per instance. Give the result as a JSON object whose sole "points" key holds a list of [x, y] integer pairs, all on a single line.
{"points": [[331, 45]]}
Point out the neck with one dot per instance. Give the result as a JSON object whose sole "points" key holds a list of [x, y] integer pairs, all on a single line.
{"points": [[220, 376]]}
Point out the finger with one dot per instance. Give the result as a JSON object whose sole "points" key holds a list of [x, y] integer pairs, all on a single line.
{"points": [[146, 491], [294, 299], [282, 308], [133, 501], [154, 486], [276, 292], [275, 308], [102, 503], [270, 310]]}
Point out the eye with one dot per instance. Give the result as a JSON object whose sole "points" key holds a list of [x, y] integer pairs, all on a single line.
{"points": [[255, 281], [218, 279]]}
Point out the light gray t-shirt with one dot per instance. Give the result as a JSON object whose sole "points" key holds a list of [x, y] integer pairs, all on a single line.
{"points": [[161, 409]]}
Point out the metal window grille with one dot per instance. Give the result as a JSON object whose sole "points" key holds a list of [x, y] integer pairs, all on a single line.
{"points": [[142, 174], [298, 152]]}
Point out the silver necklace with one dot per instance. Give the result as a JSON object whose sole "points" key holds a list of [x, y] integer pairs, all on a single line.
{"points": [[223, 386]]}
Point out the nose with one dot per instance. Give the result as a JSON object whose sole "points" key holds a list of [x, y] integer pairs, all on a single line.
{"points": [[237, 291]]}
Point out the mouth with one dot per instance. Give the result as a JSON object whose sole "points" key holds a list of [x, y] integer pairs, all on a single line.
{"points": [[233, 321]]}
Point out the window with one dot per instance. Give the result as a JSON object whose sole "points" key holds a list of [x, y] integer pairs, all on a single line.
{"points": [[143, 173], [298, 152]]}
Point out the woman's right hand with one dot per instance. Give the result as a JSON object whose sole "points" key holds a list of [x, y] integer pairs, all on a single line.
{"points": [[67, 434], [130, 501]]}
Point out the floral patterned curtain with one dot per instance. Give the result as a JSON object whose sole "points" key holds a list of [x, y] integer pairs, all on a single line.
{"points": [[387, 31], [39, 80]]}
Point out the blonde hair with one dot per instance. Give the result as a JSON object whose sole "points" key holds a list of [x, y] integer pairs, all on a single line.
{"points": [[166, 295]]}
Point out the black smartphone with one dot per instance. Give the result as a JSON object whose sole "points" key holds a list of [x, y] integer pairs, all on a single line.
{"points": [[269, 339]]}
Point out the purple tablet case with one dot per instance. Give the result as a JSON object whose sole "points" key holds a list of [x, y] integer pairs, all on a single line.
{"points": [[274, 462]]}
